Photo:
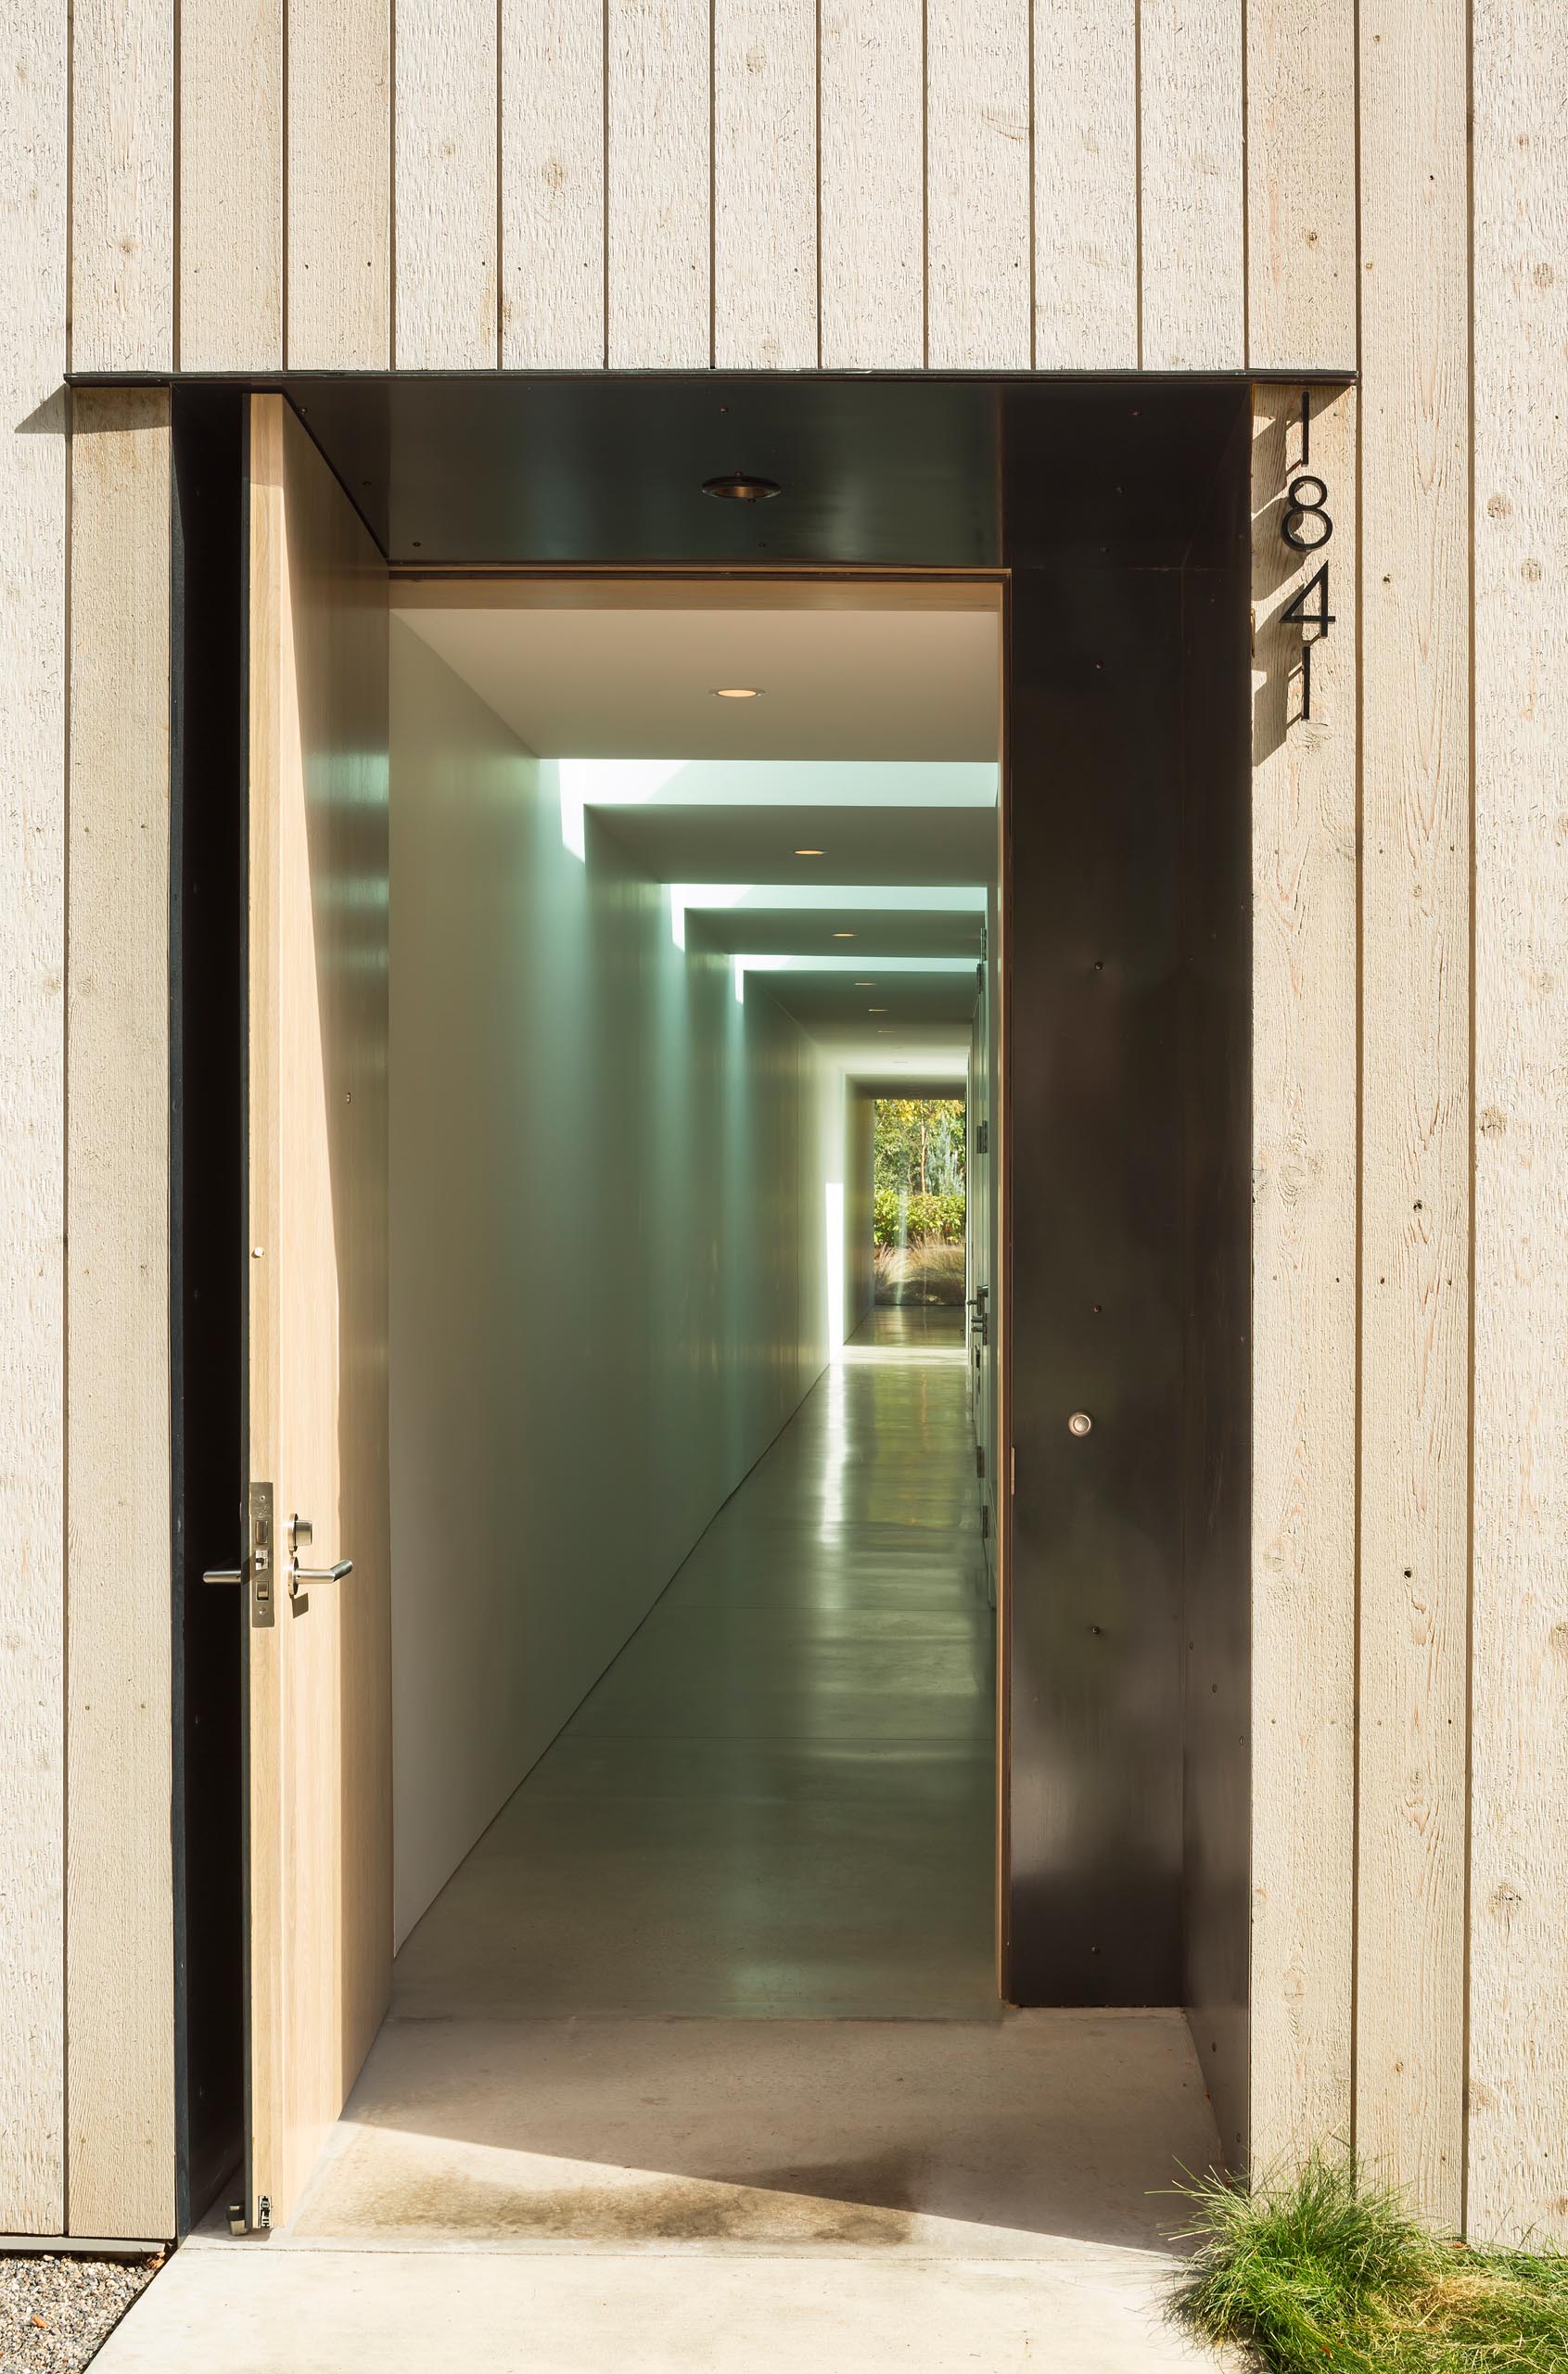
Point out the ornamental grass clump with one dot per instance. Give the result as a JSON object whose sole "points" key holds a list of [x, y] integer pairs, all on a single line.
{"points": [[1325, 2272]]}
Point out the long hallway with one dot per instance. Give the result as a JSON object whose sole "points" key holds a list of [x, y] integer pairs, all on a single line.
{"points": [[780, 1799]]}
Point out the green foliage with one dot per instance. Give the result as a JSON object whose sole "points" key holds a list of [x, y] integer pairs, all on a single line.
{"points": [[919, 1144], [1324, 2272], [916, 1219]]}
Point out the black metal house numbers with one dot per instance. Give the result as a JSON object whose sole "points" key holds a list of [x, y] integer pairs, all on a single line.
{"points": [[1306, 526]]}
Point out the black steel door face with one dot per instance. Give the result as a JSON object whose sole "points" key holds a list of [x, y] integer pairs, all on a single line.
{"points": [[1096, 1672], [1126, 736]]}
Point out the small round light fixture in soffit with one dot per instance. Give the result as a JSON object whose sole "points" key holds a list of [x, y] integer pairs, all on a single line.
{"points": [[741, 486], [737, 692]]}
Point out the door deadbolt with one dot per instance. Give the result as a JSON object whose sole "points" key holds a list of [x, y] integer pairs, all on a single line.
{"points": [[1080, 1423], [301, 1533]]}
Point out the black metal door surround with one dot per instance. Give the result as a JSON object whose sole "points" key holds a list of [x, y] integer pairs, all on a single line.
{"points": [[1117, 511]]}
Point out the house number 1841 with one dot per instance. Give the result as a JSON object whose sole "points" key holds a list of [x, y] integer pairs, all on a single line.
{"points": [[1306, 526]]}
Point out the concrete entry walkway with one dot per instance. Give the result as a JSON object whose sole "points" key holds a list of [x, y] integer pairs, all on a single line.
{"points": [[794, 2129], [712, 2197]]}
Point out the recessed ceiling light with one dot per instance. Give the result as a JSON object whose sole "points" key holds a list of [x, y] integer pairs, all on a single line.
{"points": [[808, 852], [741, 486], [865, 985], [876, 1009], [843, 934], [737, 692]]}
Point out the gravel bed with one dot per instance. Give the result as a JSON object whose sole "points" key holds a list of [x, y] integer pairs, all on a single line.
{"points": [[55, 2313]]}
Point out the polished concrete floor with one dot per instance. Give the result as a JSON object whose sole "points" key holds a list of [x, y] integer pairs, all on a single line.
{"points": [[780, 1800]]}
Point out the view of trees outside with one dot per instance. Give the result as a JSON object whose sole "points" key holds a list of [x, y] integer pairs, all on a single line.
{"points": [[918, 1191]]}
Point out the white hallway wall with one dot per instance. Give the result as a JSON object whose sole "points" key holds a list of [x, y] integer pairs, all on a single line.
{"points": [[611, 1191]]}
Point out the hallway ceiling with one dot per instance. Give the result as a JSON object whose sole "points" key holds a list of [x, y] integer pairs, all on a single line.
{"points": [[756, 845], [876, 931], [910, 999], [893, 682], [874, 743]]}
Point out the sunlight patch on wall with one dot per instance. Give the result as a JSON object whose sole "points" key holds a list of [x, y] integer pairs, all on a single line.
{"points": [[610, 783]]}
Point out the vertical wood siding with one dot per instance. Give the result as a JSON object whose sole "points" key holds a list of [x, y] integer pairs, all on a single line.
{"points": [[658, 165], [1191, 194], [1085, 185], [552, 185], [231, 184], [663, 185], [1415, 1126], [765, 185], [448, 280], [870, 185], [32, 870], [978, 136], [1301, 181], [337, 197], [119, 1960], [123, 186], [1304, 979], [1519, 1878]]}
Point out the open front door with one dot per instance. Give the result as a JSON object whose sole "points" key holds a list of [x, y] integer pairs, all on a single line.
{"points": [[319, 1674]]}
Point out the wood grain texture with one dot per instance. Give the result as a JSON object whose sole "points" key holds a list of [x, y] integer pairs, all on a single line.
{"points": [[553, 184], [447, 311], [339, 164], [872, 187], [1191, 261], [123, 186], [979, 299], [319, 1679], [1300, 185], [1304, 1305], [119, 1920], [764, 185], [231, 184], [1518, 2184], [1416, 1153], [1085, 185], [657, 171], [34, 230]]}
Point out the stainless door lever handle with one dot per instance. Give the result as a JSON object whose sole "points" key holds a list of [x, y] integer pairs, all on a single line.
{"points": [[321, 1574], [301, 1533]]}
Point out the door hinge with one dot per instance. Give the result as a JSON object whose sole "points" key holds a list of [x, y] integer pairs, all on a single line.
{"points": [[982, 1137], [979, 1459], [263, 2208], [985, 1520]]}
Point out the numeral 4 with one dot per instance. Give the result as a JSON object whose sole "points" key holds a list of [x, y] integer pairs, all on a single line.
{"points": [[1299, 615]]}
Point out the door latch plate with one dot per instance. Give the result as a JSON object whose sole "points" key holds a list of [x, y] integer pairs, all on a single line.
{"points": [[263, 1549]]}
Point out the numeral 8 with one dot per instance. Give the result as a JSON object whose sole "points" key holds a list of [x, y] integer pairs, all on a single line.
{"points": [[1305, 499]]}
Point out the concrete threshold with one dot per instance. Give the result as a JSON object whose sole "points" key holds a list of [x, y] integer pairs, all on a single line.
{"points": [[252, 2309]]}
